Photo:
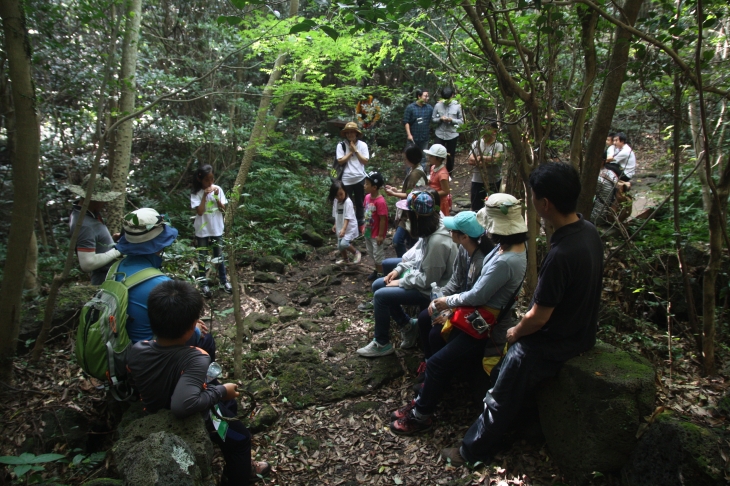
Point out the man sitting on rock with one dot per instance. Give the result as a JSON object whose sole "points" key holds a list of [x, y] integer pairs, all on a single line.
{"points": [[145, 236], [561, 322], [171, 374]]}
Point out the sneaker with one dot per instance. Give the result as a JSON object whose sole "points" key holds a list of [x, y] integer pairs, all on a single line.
{"points": [[421, 372], [403, 411], [366, 306], [339, 261], [227, 288], [410, 425], [409, 336], [374, 276], [259, 468], [205, 290], [453, 456], [356, 259], [375, 350]]}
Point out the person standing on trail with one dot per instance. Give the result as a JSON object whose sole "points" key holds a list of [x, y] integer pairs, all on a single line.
{"points": [[354, 155], [485, 152], [448, 115], [417, 122], [94, 245], [562, 319]]}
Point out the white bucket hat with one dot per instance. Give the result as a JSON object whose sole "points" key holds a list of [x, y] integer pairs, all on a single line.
{"points": [[437, 150], [504, 215]]}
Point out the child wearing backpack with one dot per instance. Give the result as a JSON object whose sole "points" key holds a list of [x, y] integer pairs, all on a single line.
{"points": [[345, 226], [209, 202], [172, 375]]}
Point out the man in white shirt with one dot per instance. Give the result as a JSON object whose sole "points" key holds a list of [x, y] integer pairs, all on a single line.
{"points": [[623, 160]]}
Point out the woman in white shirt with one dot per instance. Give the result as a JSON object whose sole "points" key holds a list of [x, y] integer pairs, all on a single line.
{"points": [[353, 155]]}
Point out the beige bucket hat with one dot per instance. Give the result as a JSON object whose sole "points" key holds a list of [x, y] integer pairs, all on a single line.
{"points": [[504, 215]]}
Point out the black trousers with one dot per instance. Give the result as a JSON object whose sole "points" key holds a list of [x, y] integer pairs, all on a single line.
{"points": [[356, 192], [451, 150], [236, 448], [616, 169], [479, 193]]}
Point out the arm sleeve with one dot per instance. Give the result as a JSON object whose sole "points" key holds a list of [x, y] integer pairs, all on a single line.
{"points": [[381, 207], [552, 282], [89, 261], [622, 157], [435, 116], [459, 275], [433, 265], [493, 278], [350, 210], [408, 115], [195, 199], [222, 196], [340, 151], [362, 147], [459, 118], [191, 394]]}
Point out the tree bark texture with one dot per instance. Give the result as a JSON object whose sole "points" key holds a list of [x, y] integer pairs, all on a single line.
{"points": [[617, 67], [123, 135], [25, 161]]}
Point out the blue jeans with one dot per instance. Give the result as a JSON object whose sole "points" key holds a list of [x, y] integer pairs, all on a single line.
{"points": [[402, 241], [514, 381], [387, 302], [389, 265], [460, 352]]}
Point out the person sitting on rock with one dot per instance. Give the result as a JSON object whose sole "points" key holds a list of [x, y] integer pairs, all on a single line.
{"points": [[170, 374], [623, 160], [486, 279], [561, 321], [410, 282], [145, 236]]}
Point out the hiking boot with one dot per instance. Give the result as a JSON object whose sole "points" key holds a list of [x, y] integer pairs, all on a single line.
{"points": [[227, 288], [421, 372], [366, 306], [410, 425], [356, 259], [374, 276], [375, 350], [452, 456], [259, 468], [403, 411], [409, 336], [205, 290]]}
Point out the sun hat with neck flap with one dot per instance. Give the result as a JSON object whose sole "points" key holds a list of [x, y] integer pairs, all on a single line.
{"points": [[145, 233], [504, 215]]}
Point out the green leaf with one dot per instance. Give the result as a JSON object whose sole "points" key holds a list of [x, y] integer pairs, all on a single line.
{"points": [[242, 3], [330, 31], [229, 20], [21, 470], [304, 26], [47, 458], [11, 460]]}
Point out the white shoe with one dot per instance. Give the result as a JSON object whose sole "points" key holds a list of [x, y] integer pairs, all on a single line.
{"points": [[339, 262], [356, 259], [375, 350]]}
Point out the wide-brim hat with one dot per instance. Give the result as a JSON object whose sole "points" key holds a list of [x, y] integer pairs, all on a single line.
{"points": [[145, 233], [350, 127], [466, 222], [421, 203], [504, 215], [437, 150], [102, 189]]}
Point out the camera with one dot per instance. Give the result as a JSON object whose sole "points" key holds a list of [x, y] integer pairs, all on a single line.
{"points": [[477, 322]]}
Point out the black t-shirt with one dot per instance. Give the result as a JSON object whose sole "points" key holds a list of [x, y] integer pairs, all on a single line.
{"points": [[570, 281]]}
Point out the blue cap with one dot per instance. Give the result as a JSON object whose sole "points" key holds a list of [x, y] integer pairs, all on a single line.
{"points": [[466, 222]]}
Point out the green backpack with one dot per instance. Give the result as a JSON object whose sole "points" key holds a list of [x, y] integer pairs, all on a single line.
{"points": [[102, 342]]}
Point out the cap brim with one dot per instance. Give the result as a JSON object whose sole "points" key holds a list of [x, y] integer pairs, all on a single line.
{"points": [[160, 242], [402, 204], [449, 222]]}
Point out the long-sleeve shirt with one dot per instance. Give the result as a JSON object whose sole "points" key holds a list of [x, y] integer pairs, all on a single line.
{"points": [[435, 265], [466, 271], [451, 109], [418, 119], [172, 377], [626, 159]]}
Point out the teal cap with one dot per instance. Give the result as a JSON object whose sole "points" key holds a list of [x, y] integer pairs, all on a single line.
{"points": [[466, 222]]}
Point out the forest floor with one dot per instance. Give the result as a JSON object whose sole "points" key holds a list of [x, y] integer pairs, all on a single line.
{"points": [[345, 446]]}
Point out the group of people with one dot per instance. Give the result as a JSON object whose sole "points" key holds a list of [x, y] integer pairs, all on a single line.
{"points": [[172, 348], [612, 200], [477, 262]]}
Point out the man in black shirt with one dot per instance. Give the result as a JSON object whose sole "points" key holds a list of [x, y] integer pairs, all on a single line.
{"points": [[563, 316]]}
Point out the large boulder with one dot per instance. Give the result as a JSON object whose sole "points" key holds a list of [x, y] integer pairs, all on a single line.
{"points": [[674, 452], [312, 237], [160, 449], [271, 264], [591, 411]]}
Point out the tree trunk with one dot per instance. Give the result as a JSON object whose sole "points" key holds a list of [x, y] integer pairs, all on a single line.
{"points": [[25, 161], [259, 133], [30, 281], [606, 107], [588, 20], [123, 136]]}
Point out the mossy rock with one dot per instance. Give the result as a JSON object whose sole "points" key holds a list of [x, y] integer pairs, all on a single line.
{"points": [[263, 277], [277, 298], [338, 348], [326, 312], [303, 443], [264, 418], [255, 322], [673, 452], [361, 408], [288, 314], [309, 383], [297, 353], [312, 237], [322, 300], [309, 326], [303, 340], [329, 270], [591, 411], [271, 264], [260, 389]]}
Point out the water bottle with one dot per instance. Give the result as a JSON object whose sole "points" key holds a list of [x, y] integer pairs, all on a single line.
{"points": [[436, 293], [214, 371]]}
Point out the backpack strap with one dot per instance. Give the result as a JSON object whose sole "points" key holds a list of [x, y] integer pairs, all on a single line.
{"points": [[141, 276]]}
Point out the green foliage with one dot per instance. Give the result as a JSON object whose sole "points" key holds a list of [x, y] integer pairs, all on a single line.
{"points": [[29, 463]]}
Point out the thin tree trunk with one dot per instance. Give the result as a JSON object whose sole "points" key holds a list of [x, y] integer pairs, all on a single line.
{"points": [[25, 160], [123, 136], [30, 281], [617, 67], [259, 134], [588, 19]]}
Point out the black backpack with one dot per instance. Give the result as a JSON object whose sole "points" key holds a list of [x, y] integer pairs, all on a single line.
{"points": [[337, 169]]}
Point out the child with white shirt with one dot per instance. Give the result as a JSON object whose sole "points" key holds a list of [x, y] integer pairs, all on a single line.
{"points": [[345, 222]]}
